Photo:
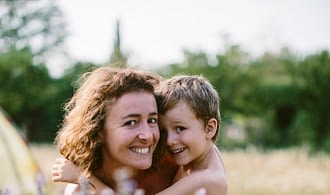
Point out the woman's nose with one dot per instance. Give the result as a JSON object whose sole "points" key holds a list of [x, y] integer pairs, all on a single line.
{"points": [[146, 133]]}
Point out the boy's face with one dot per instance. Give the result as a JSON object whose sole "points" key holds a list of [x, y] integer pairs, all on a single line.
{"points": [[187, 140]]}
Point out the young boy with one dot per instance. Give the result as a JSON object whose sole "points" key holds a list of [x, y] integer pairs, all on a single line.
{"points": [[189, 114]]}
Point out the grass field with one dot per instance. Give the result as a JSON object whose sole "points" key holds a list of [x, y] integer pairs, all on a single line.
{"points": [[249, 172]]}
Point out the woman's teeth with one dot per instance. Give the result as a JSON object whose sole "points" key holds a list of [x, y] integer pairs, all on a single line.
{"points": [[141, 150]]}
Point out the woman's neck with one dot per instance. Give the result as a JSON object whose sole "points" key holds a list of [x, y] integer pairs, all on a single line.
{"points": [[106, 176], [111, 171]]}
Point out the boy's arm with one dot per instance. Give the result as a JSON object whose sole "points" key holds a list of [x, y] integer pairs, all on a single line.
{"points": [[193, 183], [65, 171], [98, 186]]}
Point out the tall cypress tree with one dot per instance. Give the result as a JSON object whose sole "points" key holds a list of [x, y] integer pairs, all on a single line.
{"points": [[118, 59]]}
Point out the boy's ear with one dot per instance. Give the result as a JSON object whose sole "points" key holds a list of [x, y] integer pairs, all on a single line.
{"points": [[211, 128]]}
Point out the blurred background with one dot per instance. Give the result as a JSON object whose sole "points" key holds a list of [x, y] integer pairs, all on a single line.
{"points": [[268, 60]]}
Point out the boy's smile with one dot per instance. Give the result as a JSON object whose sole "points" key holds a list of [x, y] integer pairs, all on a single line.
{"points": [[176, 151]]}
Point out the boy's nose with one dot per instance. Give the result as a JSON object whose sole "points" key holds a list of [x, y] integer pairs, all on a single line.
{"points": [[171, 139]]}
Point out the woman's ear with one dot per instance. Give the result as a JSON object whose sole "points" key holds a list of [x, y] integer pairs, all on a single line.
{"points": [[211, 128]]}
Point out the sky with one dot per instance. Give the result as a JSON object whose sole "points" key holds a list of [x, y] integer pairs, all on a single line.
{"points": [[155, 32]]}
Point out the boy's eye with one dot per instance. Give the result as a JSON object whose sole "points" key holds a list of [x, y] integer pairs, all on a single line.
{"points": [[153, 120], [179, 129], [131, 123]]}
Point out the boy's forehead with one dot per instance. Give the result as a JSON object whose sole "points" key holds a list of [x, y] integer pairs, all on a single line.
{"points": [[181, 113], [180, 106]]}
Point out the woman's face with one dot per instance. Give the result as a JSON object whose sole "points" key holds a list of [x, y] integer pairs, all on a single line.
{"points": [[131, 131]]}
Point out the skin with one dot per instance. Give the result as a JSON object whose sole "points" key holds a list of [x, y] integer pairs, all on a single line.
{"points": [[187, 140], [190, 145], [131, 135], [131, 131]]}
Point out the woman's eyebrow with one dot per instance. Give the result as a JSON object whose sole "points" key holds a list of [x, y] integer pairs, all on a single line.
{"points": [[133, 115], [138, 114]]}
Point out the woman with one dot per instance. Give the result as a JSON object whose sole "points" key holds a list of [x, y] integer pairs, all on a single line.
{"points": [[112, 122]]}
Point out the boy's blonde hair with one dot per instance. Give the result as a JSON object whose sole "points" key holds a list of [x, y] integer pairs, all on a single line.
{"points": [[80, 139], [196, 91]]}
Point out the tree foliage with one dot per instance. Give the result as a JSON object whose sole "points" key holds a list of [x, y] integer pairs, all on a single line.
{"points": [[312, 77], [37, 25], [29, 30], [25, 89]]}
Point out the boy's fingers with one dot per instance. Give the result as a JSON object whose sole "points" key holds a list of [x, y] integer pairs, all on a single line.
{"points": [[56, 174], [55, 166], [58, 160], [55, 178]]}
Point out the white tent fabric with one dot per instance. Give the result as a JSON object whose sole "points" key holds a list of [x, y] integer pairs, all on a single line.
{"points": [[19, 172]]}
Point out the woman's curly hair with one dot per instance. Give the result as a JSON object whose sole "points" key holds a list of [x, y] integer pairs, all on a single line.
{"points": [[80, 138]]}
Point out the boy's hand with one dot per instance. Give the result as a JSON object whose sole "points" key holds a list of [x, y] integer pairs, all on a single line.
{"points": [[65, 171]]}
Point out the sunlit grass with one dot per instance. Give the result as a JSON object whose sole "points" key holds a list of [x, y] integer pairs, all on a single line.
{"points": [[249, 172], [46, 155], [290, 171]]}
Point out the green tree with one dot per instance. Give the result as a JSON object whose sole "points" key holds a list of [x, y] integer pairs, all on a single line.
{"points": [[274, 97], [25, 91], [312, 77], [29, 32], [31, 24], [117, 58]]}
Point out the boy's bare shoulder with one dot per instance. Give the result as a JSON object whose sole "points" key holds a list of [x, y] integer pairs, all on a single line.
{"points": [[215, 182], [213, 176]]}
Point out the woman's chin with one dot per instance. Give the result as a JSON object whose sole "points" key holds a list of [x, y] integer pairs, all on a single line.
{"points": [[143, 165]]}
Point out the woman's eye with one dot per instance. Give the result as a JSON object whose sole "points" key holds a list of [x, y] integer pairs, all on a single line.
{"points": [[153, 120], [179, 129], [131, 123]]}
